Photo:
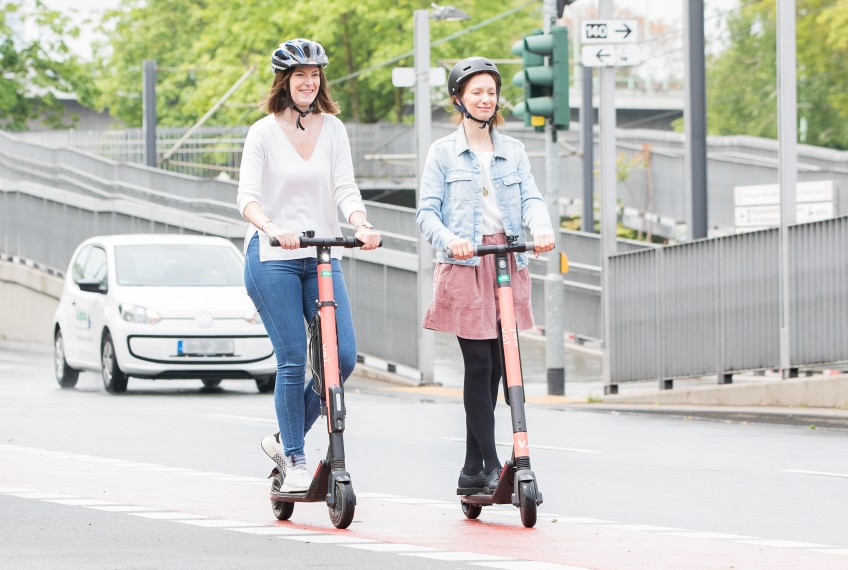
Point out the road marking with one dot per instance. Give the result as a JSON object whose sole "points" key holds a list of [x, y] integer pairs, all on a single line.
{"points": [[272, 530], [455, 556], [80, 502], [786, 544], [534, 446], [713, 535], [391, 547], [329, 539], [121, 508], [820, 473], [169, 515], [219, 523], [527, 565], [842, 551], [245, 418], [40, 495], [644, 527]]}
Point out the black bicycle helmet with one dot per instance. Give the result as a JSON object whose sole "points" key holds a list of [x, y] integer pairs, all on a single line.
{"points": [[462, 72], [298, 52]]}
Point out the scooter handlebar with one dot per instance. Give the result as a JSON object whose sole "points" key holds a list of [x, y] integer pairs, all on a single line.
{"points": [[348, 242], [520, 246]]}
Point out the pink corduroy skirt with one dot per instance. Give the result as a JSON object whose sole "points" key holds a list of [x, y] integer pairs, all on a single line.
{"points": [[465, 301]]}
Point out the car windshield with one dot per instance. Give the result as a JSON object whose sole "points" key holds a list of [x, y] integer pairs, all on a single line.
{"points": [[178, 265]]}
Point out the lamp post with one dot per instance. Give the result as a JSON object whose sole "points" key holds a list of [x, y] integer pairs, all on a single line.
{"points": [[423, 138]]}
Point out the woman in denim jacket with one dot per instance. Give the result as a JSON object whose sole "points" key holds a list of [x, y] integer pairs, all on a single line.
{"points": [[477, 188]]}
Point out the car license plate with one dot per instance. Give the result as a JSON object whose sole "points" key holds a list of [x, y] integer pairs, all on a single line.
{"points": [[205, 347]]}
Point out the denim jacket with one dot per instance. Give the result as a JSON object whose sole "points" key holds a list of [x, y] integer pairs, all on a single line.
{"points": [[450, 202]]}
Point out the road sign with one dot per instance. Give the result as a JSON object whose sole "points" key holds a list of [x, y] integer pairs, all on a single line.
{"points": [[609, 32], [609, 55], [759, 206], [405, 76]]}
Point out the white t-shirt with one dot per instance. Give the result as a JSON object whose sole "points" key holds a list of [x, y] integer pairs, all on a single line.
{"points": [[492, 220], [298, 194]]}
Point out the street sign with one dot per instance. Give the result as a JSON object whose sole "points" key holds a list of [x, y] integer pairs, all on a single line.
{"points": [[758, 206], [609, 32], [405, 76], [609, 55]]}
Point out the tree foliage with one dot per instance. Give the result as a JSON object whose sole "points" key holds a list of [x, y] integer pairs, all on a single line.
{"points": [[36, 66], [203, 47], [742, 80]]}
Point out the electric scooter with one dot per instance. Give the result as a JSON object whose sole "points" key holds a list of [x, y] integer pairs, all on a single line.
{"points": [[331, 481], [517, 484]]}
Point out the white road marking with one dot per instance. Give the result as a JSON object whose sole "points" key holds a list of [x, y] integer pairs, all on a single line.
{"points": [[122, 508], [455, 556], [219, 523], [713, 535], [527, 565], [40, 495], [80, 502], [644, 527], [329, 539], [245, 418], [168, 515], [786, 544], [16, 490], [391, 547], [414, 501], [820, 473], [532, 446], [842, 551], [272, 530]]}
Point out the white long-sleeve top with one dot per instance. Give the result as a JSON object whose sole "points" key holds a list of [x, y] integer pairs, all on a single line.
{"points": [[297, 194]]}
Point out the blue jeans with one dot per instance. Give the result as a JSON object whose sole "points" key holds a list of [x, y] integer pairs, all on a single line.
{"points": [[284, 293]]}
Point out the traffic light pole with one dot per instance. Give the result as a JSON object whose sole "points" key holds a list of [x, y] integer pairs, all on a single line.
{"points": [[554, 348]]}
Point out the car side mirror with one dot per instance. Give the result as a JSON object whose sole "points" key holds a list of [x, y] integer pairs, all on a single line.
{"points": [[92, 285]]}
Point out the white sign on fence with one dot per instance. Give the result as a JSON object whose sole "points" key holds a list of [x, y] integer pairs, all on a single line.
{"points": [[405, 76], [609, 32], [759, 206], [609, 55]]}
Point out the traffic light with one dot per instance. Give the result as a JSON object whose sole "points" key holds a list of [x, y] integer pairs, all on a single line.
{"points": [[545, 86]]}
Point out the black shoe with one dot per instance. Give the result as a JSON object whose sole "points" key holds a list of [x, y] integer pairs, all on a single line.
{"points": [[471, 484], [492, 481]]}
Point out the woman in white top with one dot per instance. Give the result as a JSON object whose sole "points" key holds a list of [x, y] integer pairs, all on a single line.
{"points": [[296, 170]]}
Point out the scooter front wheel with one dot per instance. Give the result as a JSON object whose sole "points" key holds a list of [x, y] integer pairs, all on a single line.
{"points": [[527, 503], [471, 511], [341, 514], [282, 510]]}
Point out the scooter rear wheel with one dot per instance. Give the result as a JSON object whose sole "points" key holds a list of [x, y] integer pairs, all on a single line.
{"points": [[527, 503], [471, 511], [341, 514], [282, 510]]}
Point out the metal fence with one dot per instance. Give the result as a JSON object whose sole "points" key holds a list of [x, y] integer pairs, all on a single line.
{"points": [[712, 307]]}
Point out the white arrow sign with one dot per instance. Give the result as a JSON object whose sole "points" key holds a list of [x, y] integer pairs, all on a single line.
{"points": [[609, 55], [609, 31]]}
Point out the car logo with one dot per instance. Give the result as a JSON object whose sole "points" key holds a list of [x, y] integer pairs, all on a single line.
{"points": [[203, 320]]}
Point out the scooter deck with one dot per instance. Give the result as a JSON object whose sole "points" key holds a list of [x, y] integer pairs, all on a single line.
{"points": [[503, 492], [317, 489]]}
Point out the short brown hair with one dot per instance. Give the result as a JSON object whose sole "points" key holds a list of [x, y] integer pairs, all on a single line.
{"points": [[279, 98], [497, 120]]}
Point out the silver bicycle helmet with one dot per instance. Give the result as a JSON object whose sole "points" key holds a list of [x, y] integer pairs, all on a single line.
{"points": [[299, 51]]}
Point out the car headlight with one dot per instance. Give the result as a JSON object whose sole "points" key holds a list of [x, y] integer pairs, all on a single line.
{"points": [[138, 314], [252, 316]]}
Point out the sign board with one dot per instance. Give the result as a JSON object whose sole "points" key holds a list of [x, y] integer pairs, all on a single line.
{"points": [[759, 206], [609, 32], [405, 76], [609, 55]]}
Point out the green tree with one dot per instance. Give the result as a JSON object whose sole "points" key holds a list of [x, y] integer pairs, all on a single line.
{"points": [[203, 47], [36, 66], [742, 80]]}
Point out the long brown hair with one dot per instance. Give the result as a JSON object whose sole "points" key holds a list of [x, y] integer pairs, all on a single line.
{"points": [[279, 97], [457, 118]]}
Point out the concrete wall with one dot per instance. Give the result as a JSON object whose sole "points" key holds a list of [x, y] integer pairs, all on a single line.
{"points": [[28, 299]]}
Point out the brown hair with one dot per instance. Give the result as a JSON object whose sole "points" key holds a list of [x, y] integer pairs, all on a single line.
{"points": [[457, 118], [279, 98]]}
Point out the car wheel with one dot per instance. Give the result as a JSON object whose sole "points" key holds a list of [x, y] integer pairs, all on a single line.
{"points": [[114, 380], [211, 383], [65, 375], [266, 384]]}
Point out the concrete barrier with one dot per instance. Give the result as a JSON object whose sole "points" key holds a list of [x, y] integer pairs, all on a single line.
{"points": [[28, 298]]}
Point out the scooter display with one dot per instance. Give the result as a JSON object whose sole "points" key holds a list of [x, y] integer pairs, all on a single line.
{"points": [[517, 484], [331, 481]]}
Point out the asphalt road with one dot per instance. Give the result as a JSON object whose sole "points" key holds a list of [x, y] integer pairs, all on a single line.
{"points": [[170, 475]]}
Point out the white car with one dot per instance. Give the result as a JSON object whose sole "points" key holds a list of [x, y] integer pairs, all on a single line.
{"points": [[160, 307]]}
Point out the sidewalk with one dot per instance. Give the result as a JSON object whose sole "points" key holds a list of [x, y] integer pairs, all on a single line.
{"points": [[820, 400]]}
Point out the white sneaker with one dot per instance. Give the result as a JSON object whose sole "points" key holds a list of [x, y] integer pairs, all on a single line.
{"points": [[274, 448], [297, 480]]}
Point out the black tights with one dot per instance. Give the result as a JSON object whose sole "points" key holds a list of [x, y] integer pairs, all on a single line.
{"points": [[482, 375]]}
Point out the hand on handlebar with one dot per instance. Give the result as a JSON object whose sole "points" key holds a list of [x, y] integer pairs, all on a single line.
{"points": [[461, 248], [288, 239], [544, 241], [369, 237]]}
